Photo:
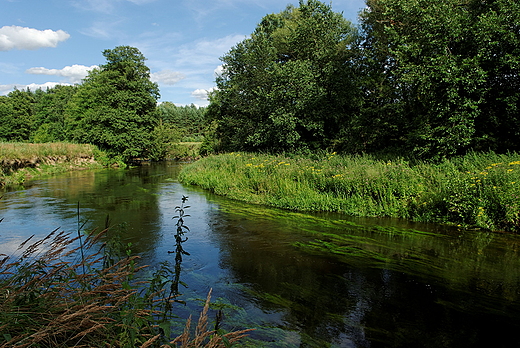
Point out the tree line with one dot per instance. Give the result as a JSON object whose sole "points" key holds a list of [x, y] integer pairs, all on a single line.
{"points": [[422, 77], [115, 108]]}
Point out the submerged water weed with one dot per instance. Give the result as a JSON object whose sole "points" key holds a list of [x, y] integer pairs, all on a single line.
{"points": [[448, 192]]}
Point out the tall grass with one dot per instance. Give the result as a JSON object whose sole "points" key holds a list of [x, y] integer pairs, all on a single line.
{"points": [[48, 300], [480, 190], [34, 152], [19, 161]]}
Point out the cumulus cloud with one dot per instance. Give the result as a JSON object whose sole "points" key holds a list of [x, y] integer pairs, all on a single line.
{"points": [[22, 38], [202, 94], [5, 89], [166, 77], [219, 70], [74, 73]]}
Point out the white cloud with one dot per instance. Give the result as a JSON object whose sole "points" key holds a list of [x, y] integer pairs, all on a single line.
{"points": [[23, 38], [202, 94], [167, 77], [74, 73], [104, 29], [219, 70], [5, 89]]}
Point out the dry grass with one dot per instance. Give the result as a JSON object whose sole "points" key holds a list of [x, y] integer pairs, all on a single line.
{"points": [[204, 337], [50, 297]]}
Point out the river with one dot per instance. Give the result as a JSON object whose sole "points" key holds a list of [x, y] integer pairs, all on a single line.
{"points": [[301, 280]]}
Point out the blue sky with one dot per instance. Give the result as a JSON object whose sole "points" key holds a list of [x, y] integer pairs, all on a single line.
{"points": [[43, 43]]}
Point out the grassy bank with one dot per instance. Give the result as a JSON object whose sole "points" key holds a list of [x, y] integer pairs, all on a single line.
{"points": [[20, 161], [478, 190]]}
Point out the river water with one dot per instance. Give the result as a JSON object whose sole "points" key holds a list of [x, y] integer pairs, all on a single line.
{"points": [[301, 280]]}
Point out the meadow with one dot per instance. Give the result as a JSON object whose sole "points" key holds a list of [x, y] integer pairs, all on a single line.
{"points": [[479, 190]]}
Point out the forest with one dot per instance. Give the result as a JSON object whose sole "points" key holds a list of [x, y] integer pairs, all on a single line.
{"points": [[428, 79]]}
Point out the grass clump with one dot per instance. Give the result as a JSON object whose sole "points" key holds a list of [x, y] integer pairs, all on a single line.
{"points": [[480, 190], [51, 296]]}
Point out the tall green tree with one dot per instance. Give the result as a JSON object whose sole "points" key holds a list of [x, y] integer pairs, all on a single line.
{"points": [[114, 108], [17, 120], [441, 76], [188, 119], [289, 85]]}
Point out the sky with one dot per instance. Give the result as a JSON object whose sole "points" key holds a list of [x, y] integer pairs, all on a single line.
{"points": [[44, 43]]}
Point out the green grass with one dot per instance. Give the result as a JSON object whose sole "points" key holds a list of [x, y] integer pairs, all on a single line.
{"points": [[20, 161], [480, 190], [34, 152]]}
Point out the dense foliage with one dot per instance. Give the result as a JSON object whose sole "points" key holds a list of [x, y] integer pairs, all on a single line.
{"points": [[115, 106], [434, 79], [441, 77], [189, 121], [288, 85]]}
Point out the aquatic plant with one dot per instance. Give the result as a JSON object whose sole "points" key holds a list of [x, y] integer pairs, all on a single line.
{"points": [[179, 251]]}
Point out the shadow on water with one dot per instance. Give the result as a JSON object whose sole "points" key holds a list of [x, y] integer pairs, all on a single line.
{"points": [[302, 280]]}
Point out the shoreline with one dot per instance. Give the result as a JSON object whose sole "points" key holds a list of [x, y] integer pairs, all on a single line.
{"points": [[20, 162], [478, 190]]}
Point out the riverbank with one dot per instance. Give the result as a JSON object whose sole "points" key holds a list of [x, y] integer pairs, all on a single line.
{"points": [[477, 190], [22, 161]]}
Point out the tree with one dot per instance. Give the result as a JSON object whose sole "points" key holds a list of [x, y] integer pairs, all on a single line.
{"points": [[17, 115], [289, 85], [189, 119], [443, 76], [50, 109], [115, 106]]}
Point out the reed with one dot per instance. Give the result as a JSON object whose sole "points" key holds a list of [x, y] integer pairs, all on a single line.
{"points": [[53, 297], [479, 189]]}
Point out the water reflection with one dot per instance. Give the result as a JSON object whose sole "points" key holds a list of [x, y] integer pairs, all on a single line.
{"points": [[395, 286], [303, 280]]}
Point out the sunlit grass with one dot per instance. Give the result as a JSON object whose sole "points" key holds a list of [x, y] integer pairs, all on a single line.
{"points": [[19, 161], [28, 152], [479, 190]]}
